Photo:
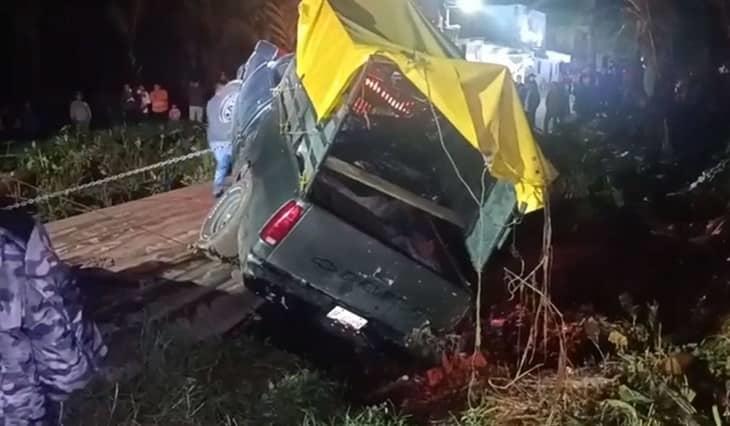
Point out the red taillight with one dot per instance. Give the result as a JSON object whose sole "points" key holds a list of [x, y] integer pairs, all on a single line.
{"points": [[392, 100], [282, 223]]}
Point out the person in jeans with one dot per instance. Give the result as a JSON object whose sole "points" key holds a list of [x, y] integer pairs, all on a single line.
{"points": [[48, 348], [196, 102], [220, 111]]}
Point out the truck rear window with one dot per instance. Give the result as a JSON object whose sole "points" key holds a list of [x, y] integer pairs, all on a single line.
{"points": [[427, 240]]}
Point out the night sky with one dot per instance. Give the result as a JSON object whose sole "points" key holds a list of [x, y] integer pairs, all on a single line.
{"points": [[78, 46], [63, 46], [54, 48]]}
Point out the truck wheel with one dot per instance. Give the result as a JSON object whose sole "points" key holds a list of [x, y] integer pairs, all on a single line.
{"points": [[219, 233]]}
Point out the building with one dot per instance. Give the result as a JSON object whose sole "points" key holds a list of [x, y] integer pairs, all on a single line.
{"points": [[512, 35]]}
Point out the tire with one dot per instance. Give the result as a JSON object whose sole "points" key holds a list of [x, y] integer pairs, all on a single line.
{"points": [[219, 233]]}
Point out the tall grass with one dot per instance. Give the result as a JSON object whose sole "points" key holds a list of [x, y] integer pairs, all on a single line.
{"points": [[69, 159], [231, 381]]}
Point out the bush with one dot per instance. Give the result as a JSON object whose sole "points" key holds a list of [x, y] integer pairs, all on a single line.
{"points": [[70, 159]]}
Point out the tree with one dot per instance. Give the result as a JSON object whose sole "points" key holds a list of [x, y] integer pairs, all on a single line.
{"points": [[652, 24], [215, 35], [280, 23], [126, 21], [219, 33]]}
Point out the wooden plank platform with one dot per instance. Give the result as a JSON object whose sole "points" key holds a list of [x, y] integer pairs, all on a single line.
{"points": [[157, 228], [137, 263]]}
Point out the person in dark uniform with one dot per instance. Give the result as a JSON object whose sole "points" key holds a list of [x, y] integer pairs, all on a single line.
{"points": [[48, 348]]}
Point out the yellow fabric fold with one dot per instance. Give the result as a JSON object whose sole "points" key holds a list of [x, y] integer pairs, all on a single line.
{"points": [[337, 37]]}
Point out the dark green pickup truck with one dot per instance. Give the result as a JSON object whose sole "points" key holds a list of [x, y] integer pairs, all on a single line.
{"points": [[365, 217]]}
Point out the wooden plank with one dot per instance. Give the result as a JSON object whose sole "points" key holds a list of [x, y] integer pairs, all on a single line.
{"points": [[393, 190], [156, 228], [214, 279], [152, 273]]}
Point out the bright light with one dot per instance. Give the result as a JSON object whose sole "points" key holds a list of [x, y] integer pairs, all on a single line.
{"points": [[469, 6]]}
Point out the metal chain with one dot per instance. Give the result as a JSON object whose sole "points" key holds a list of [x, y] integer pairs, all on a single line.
{"points": [[68, 191], [710, 174]]}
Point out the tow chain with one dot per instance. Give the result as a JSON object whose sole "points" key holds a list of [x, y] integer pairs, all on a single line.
{"points": [[66, 192], [710, 174]]}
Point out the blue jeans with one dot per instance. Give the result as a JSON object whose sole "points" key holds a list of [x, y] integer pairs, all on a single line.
{"points": [[222, 152]]}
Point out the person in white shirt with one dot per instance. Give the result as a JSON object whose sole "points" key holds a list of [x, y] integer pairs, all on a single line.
{"points": [[80, 113]]}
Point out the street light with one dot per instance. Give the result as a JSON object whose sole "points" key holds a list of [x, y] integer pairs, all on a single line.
{"points": [[469, 6]]}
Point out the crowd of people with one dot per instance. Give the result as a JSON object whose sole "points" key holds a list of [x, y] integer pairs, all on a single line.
{"points": [[139, 105], [583, 95], [136, 105]]}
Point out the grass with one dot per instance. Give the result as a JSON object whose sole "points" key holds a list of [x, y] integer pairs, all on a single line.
{"points": [[642, 380], [70, 159], [381, 415], [236, 381], [639, 380]]}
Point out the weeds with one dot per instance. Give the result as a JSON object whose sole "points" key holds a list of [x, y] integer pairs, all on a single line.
{"points": [[236, 381], [641, 380], [544, 399], [71, 159], [381, 415]]}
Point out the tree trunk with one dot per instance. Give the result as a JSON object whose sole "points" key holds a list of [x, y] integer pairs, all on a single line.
{"points": [[279, 21]]}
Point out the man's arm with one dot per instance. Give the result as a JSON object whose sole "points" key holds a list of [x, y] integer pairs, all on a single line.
{"points": [[66, 346]]}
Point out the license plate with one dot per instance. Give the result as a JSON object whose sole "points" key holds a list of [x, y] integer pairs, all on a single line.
{"points": [[347, 318]]}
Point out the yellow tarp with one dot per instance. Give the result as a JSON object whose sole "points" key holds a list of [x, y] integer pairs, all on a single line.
{"points": [[337, 37]]}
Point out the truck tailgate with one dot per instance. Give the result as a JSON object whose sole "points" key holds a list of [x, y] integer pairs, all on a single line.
{"points": [[368, 277]]}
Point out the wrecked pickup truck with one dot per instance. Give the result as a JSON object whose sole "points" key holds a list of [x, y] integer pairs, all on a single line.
{"points": [[374, 172]]}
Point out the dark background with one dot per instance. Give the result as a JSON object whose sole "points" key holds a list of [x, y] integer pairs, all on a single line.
{"points": [[55, 48]]}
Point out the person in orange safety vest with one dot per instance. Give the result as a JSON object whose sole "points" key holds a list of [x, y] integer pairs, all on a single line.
{"points": [[160, 102]]}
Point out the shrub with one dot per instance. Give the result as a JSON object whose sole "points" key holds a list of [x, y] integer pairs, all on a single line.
{"points": [[70, 159]]}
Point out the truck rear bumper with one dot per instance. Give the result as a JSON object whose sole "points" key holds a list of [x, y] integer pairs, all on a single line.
{"points": [[279, 286]]}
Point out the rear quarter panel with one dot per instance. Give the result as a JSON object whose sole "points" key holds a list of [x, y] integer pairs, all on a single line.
{"points": [[274, 173]]}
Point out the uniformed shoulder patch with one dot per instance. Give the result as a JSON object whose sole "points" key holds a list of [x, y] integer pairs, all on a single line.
{"points": [[227, 107]]}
